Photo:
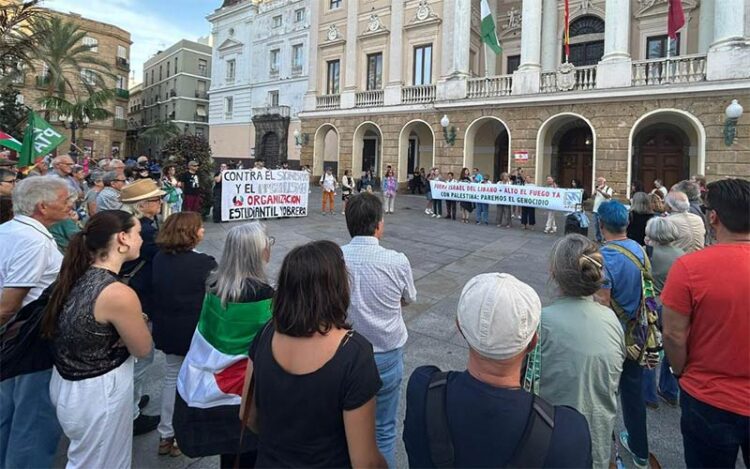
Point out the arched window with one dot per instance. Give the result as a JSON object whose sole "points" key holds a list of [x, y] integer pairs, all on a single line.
{"points": [[586, 41]]}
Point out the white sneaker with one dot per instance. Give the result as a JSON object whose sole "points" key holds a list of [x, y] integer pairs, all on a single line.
{"points": [[438, 216], [427, 211]]}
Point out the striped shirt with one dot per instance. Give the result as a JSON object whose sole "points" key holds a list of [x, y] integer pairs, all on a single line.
{"points": [[380, 280]]}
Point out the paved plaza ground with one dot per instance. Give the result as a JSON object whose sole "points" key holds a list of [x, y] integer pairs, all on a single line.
{"points": [[444, 255]]}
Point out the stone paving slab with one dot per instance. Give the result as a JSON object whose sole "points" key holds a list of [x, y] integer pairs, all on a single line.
{"points": [[444, 255]]}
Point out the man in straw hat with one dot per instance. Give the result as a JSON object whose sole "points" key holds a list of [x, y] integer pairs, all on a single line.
{"points": [[482, 417], [143, 199]]}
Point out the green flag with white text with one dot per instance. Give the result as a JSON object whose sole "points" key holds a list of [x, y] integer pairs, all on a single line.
{"points": [[40, 138], [489, 33]]}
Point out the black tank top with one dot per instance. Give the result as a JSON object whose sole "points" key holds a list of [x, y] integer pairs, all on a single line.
{"points": [[83, 347]]}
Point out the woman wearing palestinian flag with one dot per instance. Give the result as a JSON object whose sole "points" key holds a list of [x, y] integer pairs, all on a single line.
{"points": [[209, 387]]}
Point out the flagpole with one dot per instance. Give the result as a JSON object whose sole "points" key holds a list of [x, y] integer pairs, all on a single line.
{"points": [[486, 61]]}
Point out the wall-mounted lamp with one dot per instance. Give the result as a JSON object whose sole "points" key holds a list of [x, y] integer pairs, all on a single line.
{"points": [[300, 139], [733, 112], [448, 134]]}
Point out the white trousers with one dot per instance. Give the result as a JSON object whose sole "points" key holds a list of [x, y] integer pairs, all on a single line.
{"points": [[551, 223], [96, 415], [390, 202], [168, 389]]}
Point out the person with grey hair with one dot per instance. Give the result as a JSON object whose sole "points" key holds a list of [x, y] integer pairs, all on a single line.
{"points": [[62, 167], [661, 233], [691, 227], [237, 303], [581, 350], [693, 192], [29, 263], [640, 214], [109, 197], [96, 180]]}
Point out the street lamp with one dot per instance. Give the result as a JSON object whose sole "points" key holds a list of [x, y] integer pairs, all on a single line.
{"points": [[448, 134], [733, 113], [73, 124]]}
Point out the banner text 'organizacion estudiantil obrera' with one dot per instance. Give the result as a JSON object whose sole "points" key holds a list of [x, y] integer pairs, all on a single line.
{"points": [[258, 194]]}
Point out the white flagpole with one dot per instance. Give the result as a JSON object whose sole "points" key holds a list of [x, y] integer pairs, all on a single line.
{"points": [[486, 61]]}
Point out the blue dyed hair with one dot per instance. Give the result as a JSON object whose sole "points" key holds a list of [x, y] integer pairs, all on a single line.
{"points": [[614, 216]]}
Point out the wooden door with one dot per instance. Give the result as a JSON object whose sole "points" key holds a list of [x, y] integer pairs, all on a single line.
{"points": [[575, 158], [662, 155], [501, 156]]}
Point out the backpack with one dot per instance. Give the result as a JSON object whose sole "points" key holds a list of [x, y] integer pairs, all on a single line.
{"points": [[531, 450], [643, 340]]}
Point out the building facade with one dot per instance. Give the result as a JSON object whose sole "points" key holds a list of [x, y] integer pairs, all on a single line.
{"points": [[135, 120], [259, 79], [111, 45], [175, 89], [410, 84]]}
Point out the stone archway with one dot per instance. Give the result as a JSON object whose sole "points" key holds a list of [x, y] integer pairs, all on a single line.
{"points": [[416, 148], [666, 144], [325, 149], [367, 147], [487, 146], [566, 150]]}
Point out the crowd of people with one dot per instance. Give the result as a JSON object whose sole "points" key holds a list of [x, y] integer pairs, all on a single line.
{"points": [[306, 369]]}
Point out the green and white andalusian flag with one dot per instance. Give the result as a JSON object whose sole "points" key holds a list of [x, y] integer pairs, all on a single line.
{"points": [[7, 141], [213, 372], [40, 138], [489, 33]]}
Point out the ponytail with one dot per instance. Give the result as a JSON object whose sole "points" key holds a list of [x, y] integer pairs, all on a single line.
{"points": [[85, 246]]}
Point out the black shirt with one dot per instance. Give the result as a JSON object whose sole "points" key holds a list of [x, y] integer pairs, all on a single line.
{"points": [[300, 417], [179, 285], [637, 227], [191, 184], [486, 424], [141, 280]]}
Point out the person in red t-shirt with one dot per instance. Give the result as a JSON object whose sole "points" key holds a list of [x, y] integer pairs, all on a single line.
{"points": [[706, 322]]}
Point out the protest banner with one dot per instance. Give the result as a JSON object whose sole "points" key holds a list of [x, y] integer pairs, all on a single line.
{"points": [[564, 200], [255, 194]]}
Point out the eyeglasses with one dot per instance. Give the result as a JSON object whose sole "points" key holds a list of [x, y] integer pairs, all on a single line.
{"points": [[120, 180], [9, 181], [67, 164], [271, 240]]}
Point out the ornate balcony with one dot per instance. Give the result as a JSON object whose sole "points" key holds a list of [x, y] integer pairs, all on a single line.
{"points": [[120, 124], [282, 111], [490, 87], [122, 93], [569, 78], [418, 94], [122, 63], [370, 98], [680, 69], [328, 102]]}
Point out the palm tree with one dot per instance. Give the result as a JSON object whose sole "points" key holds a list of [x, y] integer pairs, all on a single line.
{"points": [[67, 59], [160, 132], [89, 109], [22, 28]]}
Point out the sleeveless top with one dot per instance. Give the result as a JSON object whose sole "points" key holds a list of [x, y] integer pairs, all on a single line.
{"points": [[83, 347]]}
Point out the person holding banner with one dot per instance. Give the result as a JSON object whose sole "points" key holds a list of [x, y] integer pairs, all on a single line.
{"points": [[466, 207], [328, 183], [551, 226], [504, 217], [483, 210], [451, 204], [528, 214]]}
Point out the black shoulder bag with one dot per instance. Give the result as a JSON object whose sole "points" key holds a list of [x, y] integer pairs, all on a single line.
{"points": [[531, 450]]}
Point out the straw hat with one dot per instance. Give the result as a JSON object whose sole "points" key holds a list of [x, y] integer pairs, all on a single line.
{"points": [[141, 189]]}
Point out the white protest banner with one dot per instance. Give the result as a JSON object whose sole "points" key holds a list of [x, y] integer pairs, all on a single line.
{"points": [[254, 194], [564, 200]]}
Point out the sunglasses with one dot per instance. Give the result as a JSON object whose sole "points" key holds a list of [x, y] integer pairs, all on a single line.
{"points": [[271, 240]]}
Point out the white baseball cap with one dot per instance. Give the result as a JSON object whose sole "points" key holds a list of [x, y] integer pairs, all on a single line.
{"points": [[498, 315]]}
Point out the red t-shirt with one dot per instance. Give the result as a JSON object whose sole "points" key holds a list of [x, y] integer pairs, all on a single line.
{"points": [[712, 286]]}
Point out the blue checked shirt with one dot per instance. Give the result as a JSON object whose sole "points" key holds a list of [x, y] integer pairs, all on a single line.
{"points": [[380, 279]]}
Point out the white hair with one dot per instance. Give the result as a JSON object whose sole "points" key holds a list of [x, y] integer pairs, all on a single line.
{"points": [[36, 190], [662, 231], [678, 202]]}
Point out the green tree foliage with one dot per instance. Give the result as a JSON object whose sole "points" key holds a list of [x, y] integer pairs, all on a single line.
{"points": [[22, 29], [91, 107], [13, 115], [184, 148], [159, 133]]}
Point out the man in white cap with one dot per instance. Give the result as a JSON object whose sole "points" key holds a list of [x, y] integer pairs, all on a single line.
{"points": [[482, 417]]}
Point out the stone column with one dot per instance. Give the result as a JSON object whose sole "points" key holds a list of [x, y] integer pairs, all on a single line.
{"points": [[526, 78], [395, 80], [615, 68], [310, 101], [455, 49], [706, 26], [349, 92], [728, 56], [551, 51]]}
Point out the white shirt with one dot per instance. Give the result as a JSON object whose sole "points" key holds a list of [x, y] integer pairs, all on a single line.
{"points": [[380, 279], [598, 198], [28, 256], [329, 182]]}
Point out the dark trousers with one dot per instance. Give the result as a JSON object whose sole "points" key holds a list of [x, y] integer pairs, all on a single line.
{"points": [[217, 208], [247, 460], [634, 407], [437, 206], [712, 437], [528, 216], [450, 206], [191, 203]]}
